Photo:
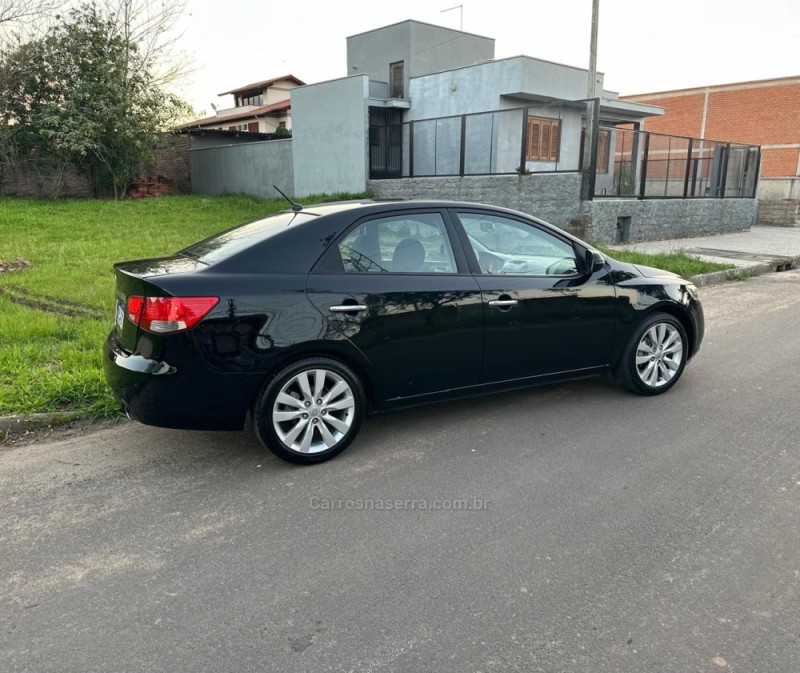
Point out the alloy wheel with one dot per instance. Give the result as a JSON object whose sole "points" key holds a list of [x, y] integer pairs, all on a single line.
{"points": [[313, 411], [659, 355]]}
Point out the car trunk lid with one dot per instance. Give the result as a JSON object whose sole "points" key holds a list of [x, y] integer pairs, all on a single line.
{"points": [[137, 278]]}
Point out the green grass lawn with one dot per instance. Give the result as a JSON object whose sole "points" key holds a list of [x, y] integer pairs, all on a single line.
{"points": [[677, 262], [50, 361]]}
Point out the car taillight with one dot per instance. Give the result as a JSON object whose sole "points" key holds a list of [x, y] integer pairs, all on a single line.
{"points": [[168, 314]]}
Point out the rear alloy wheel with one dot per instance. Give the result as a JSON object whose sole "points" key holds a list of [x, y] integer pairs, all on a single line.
{"points": [[310, 411], [655, 356]]}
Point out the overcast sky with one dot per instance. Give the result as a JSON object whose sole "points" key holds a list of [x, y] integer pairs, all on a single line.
{"points": [[644, 45]]}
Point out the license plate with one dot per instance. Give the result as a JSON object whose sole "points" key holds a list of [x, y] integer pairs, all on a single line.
{"points": [[120, 314]]}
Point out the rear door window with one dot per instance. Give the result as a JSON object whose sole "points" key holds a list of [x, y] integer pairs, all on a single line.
{"points": [[403, 243]]}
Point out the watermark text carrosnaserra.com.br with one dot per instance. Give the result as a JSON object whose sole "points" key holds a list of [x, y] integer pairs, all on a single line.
{"points": [[471, 504]]}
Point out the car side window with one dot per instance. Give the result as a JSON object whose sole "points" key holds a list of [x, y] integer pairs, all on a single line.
{"points": [[403, 243], [506, 246]]}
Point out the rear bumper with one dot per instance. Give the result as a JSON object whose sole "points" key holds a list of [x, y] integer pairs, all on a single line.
{"points": [[155, 392]]}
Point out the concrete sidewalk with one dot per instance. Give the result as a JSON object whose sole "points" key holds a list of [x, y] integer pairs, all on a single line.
{"points": [[777, 246]]}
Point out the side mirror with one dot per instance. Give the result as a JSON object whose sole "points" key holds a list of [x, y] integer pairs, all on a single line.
{"points": [[594, 261]]}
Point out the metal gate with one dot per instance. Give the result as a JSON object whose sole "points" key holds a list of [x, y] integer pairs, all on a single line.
{"points": [[385, 143]]}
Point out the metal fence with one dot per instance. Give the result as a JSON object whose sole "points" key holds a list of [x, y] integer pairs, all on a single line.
{"points": [[483, 143], [549, 138], [649, 165]]}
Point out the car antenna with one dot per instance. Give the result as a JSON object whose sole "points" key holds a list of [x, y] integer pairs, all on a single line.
{"points": [[296, 207]]}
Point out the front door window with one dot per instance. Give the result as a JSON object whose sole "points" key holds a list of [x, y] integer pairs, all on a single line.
{"points": [[506, 246]]}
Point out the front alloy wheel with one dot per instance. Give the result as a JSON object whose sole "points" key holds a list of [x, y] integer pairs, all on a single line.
{"points": [[310, 411], [659, 355], [655, 355]]}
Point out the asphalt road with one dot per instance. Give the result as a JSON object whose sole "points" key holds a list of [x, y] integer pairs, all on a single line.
{"points": [[615, 533]]}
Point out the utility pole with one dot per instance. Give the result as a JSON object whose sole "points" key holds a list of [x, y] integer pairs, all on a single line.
{"points": [[591, 88]]}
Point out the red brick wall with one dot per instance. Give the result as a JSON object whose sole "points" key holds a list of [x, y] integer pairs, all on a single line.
{"points": [[684, 116], [40, 180], [37, 179], [764, 116], [745, 113], [779, 163], [171, 161]]}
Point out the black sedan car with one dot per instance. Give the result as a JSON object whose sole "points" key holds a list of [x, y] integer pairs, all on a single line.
{"points": [[310, 318]]}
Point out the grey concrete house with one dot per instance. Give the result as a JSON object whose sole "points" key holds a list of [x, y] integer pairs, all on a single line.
{"points": [[415, 72]]}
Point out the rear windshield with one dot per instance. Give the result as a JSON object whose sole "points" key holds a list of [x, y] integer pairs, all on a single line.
{"points": [[228, 243]]}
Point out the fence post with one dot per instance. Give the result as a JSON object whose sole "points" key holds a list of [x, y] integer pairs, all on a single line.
{"points": [[636, 145], [688, 170], [758, 172], [645, 154], [523, 155], [463, 144], [724, 170], [411, 149]]}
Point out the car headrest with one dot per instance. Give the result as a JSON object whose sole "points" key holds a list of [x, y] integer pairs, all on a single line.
{"points": [[409, 255]]}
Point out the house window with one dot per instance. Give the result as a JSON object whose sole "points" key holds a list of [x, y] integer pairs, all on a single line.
{"points": [[252, 99], [396, 77], [281, 125], [544, 136]]}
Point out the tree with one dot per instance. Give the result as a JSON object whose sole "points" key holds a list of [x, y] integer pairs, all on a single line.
{"points": [[24, 11], [84, 95], [152, 25]]}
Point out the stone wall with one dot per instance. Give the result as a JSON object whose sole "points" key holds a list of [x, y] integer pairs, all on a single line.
{"points": [[783, 213], [555, 198], [659, 219]]}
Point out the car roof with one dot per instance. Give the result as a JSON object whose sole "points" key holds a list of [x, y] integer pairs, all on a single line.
{"points": [[369, 205]]}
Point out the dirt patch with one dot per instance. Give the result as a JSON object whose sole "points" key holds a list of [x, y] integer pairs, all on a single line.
{"points": [[49, 304], [57, 431], [16, 265]]}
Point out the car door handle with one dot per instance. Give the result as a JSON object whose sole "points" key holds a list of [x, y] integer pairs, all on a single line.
{"points": [[348, 308], [503, 302]]}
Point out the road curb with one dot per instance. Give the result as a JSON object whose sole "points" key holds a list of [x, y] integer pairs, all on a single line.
{"points": [[704, 279], [22, 424]]}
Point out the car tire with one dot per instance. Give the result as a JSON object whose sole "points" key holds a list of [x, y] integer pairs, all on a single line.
{"points": [[655, 356], [310, 411]]}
